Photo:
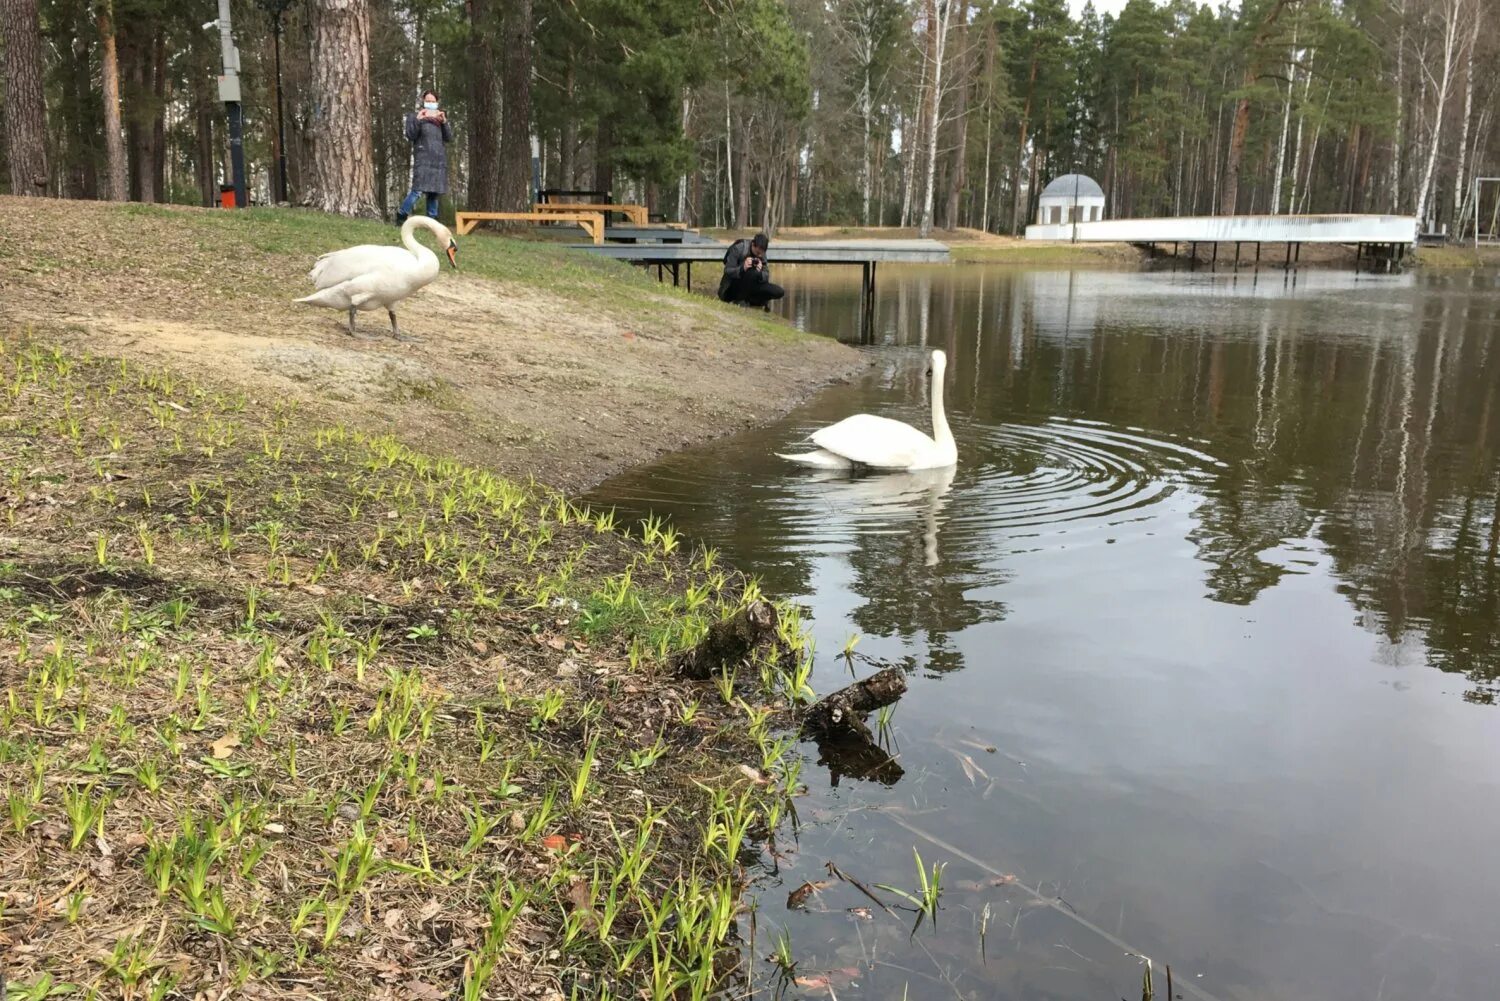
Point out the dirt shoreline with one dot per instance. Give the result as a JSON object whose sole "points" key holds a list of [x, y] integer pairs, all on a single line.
{"points": [[532, 360]]}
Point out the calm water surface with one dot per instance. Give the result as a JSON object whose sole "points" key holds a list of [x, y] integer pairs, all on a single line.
{"points": [[1203, 634]]}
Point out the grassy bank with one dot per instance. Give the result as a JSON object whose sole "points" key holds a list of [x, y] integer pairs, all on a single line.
{"points": [[294, 710], [1459, 256], [533, 359]]}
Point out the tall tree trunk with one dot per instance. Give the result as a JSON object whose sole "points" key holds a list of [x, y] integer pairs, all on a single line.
{"points": [[682, 181], [939, 12], [742, 194], [1017, 221], [343, 157], [515, 116], [567, 154], [865, 110], [1229, 197], [114, 188], [204, 160], [1453, 13], [1286, 122], [1460, 190], [1400, 122], [25, 102], [484, 113], [958, 172], [729, 160], [159, 116], [989, 123], [604, 158]]}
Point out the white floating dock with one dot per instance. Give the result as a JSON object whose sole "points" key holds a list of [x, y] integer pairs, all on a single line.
{"points": [[1352, 229]]}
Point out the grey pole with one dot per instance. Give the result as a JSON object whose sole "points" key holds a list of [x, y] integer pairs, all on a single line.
{"points": [[1075, 208], [229, 93]]}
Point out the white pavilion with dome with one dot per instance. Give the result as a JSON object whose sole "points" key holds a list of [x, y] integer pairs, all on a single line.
{"points": [[1069, 199]]}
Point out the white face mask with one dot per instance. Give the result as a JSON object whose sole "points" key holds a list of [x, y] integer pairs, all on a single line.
{"points": [[430, 105]]}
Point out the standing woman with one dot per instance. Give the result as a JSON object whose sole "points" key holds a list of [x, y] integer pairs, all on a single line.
{"points": [[429, 133]]}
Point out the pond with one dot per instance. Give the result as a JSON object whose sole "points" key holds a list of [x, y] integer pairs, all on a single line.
{"points": [[1202, 633]]}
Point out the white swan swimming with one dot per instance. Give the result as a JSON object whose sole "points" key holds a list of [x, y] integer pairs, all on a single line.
{"points": [[371, 276], [882, 443]]}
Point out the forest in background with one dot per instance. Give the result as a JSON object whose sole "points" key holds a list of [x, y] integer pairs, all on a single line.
{"points": [[924, 113]]}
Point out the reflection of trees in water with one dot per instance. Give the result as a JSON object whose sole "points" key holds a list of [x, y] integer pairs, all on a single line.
{"points": [[1236, 527], [1379, 438], [904, 597], [1372, 426]]}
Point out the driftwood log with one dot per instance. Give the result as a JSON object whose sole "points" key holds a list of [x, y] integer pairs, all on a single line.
{"points": [[843, 712], [845, 744], [728, 643]]}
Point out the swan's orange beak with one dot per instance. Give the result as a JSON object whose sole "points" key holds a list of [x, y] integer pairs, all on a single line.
{"points": [[453, 254]]}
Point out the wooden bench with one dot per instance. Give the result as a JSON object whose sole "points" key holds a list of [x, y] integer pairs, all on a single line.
{"points": [[591, 222], [635, 213]]}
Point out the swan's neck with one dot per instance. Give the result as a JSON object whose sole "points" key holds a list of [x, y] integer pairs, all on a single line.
{"points": [[409, 241], [941, 435]]}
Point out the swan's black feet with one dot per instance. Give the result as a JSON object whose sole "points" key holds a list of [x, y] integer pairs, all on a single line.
{"points": [[409, 339]]}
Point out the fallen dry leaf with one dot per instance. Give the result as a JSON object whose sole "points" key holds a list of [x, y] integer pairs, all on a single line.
{"points": [[578, 899], [554, 842], [753, 775], [816, 980], [225, 745], [862, 913]]}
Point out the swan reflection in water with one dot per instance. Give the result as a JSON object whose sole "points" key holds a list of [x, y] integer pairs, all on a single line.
{"points": [[880, 500]]}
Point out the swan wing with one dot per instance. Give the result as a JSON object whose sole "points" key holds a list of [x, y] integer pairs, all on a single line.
{"points": [[818, 458], [876, 441], [345, 265], [367, 291]]}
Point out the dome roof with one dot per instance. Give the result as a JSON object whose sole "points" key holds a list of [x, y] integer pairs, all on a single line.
{"points": [[1069, 185]]}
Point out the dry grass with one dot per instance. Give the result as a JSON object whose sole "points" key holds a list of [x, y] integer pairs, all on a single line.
{"points": [[535, 359], [1459, 256], [301, 712]]}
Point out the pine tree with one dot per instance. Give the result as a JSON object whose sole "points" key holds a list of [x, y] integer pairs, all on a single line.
{"points": [[25, 103], [343, 157]]}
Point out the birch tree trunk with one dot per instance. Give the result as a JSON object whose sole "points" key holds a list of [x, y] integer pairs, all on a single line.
{"points": [[1453, 13], [865, 55], [1286, 122], [1400, 109], [989, 120], [343, 158], [25, 102], [682, 182], [939, 11], [734, 219], [115, 187], [1460, 191]]}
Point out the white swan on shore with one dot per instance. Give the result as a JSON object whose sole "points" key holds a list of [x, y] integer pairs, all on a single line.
{"points": [[882, 443], [372, 276]]}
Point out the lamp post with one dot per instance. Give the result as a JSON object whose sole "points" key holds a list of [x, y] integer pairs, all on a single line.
{"points": [[229, 93], [1075, 206], [276, 8]]}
